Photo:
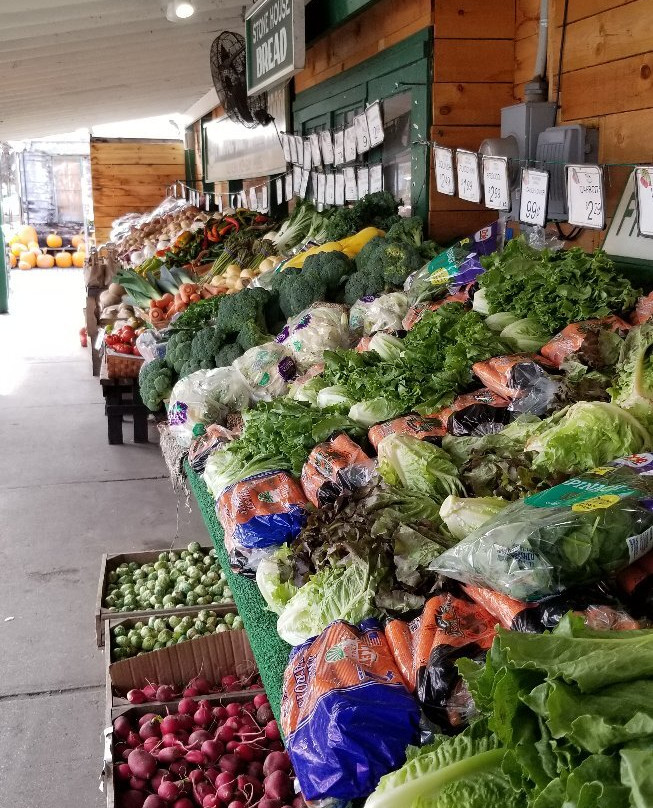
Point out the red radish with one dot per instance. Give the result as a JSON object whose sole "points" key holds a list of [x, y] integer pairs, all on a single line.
{"points": [[141, 763], [196, 776], [186, 722], [272, 731], [212, 749], [169, 791], [211, 801], [119, 748], [236, 804], [132, 799], [233, 709], [244, 752], [170, 724], [150, 691], [260, 700], [198, 737], [147, 717], [232, 746], [203, 716], [211, 774], [247, 783], [136, 697], [202, 790], [184, 802], [275, 746], [169, 754], [188, 706], [127, 753], [224, 779], [201, 684], [154, 802], [232, 722], [225, 733], [137, 783], [264, 714], [229, 763], [150, 730], [196, 757], [165, 693], [122, 727], [219, 713], [169, 739], [133, 739], [276, 761], [255, 770], [121, 771], [225, 793], [150, 744], [266, 802], [228, 681], [159, 776], [278, 786], [190, 692], [179, 768]]}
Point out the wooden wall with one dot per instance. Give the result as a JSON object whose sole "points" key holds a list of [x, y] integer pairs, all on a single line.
{"points": [[130, 176]]}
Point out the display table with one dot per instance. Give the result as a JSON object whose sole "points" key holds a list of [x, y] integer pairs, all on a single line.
{"points": [[122, 397], [270, 650]]}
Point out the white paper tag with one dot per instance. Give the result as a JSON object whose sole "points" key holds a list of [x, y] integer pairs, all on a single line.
{"points": [[350, 144], [279, 186], [534, 196], [308, 157], [326, 144], [289, 186], [363, 182], [338, 148], [644, 186], [207, 201], [293, 149], [468, 175], [182, 190], [321, 189], [313, 194], [444, 176], [218, 202], [495, 180], [585, 196], [315, 148], [253, 201], [340, 189], [376, 178], [299, 143], [362, 134], [303, 185], [285, 145], [174, 190], [375, 124], [330, 193], [296, 179], [351, 189], [265, 199]]}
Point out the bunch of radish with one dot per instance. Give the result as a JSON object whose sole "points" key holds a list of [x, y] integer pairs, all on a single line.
{"points": [[199, 686], [203, 755]]}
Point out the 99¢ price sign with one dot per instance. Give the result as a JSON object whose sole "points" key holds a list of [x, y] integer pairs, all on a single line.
{"points": [[444, 178], [585, 196], [495, 181], [534, 196]]}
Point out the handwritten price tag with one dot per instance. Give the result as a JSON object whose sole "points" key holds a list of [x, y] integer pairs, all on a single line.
{"points": [[285, 145], [351, 189], [279, 188], [315, 149], [330, 193], [350, 144], [253, 201], [340, 189], [362, 134], [321, 189], [363, 182], [644, 186], [265, 200], [294, 159], [338, 148], [444, 177], [375, 124], [288, 187], [303, 185], [308, 157], [376, 178], [327, 147], [585, 196], [468, 175], [495, 180], [534, 196]]}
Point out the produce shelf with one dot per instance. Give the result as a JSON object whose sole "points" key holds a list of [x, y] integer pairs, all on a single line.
{"points": [[270, 651]]}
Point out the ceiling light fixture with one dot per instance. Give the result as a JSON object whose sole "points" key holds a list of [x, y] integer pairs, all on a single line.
{"points": [[179, 10]]}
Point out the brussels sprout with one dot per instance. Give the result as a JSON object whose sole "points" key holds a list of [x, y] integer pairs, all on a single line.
{"points": [[217, 590], [210, 577], [121, 653], [159, 624], [183, 586], [171, 642], [163, 556], [164, 636], [194, 547], [199, 626], [183, 638], [204, 615], [220, 628], [121, 569], [113, 577], [153, 576], [193, 572], [139, 575], [174, 574], [132, 566], [229, 618], [238, 623], [151, 585], [158, 645], [148, 643], [109, 600], [223, 577], [174, 621], [147, 631], [227, 593], [201, 591], [147, 568], [172, 556], [184, 554], [119, 631], [112, 609], [169, 601], [139, 625], [212, 620], [191, 633], [196, 637], [191, 599], [204, 601], [186, 621], [136, 641]]}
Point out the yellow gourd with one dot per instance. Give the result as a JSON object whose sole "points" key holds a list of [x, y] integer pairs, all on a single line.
{"points": [[27, 233], [78, 259], [18, 247], [24, 265], [350, 246], [33, 246], [76, 241], [27, 257], [13, 261], [356, 242]]}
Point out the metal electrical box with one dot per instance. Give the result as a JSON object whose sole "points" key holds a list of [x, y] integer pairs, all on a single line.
{"points": [[558, 146], [525, 122]]}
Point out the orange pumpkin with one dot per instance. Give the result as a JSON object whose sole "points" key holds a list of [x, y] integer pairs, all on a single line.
{"points": [[81, 247], [13, 261], [54, 240], [44, 261], [78, 259], [24, 265], [26, 234], [63, 260], [33, 246], [77, 240], [28, 257], [17, 248]]}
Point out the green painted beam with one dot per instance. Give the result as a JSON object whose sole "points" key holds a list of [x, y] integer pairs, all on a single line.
{"points": [[4, 277]]}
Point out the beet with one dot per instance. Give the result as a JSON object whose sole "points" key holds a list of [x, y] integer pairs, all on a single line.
{"points": [[132, 799], [122, 727], [142, 764]]}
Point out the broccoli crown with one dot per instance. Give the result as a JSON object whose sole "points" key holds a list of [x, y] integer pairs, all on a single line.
{"points": [[363, 283], [369, 256], [190, 367], [235, 310], [178, 349], [381, 265], [377, 210], [429, 249], [332, 268], [399, 260], [228, 354], [407, 231], [206, 343], [155, 382], [250, 335], [302, 293], [342, 223]]}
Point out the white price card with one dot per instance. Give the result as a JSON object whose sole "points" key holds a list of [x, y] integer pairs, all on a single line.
{"points": [[468, 175], [303, 186], [321, 188], [308, 157], [183, 191], [644, 186], [293, 149], [375, 124], [299, 142], [362, 134], [207, 201], [296, 179], [363, 182], [218, 202], [289, 186], [326, 143], [253, 201], [534, 196], [338, 148], [313, 194], [265, 199], [351, 189], [495, 181], [174, 190], [376, 178], [585, 196], [350, 144], [330, 193], [285, 145], [444, 176], [340, 189], [279, 188], [315, 148]]}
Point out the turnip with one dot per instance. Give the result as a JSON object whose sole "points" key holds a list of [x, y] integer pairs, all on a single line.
{"points": [[165, 693], [142, 764], [278, 786], [170, 724], [154, 802], [122, 727], [147, 717], [187, 705], [212, 749], [169, 754], [159, 776], [195, 757], [121, 771], [169, 791], [150, 744], [272, 731], [136, 697], [264, 714], [149, 691], [137, 783], [229, 763], [276, 761], [233, 709], [132, 799], [260, 700], [133, 739], [151, 729]]}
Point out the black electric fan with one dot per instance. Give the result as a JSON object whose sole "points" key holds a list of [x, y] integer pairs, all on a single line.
{"points": [[228, 72]]}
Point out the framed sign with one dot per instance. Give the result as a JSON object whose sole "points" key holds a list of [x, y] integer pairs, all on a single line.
{"points": [[275, 43]]}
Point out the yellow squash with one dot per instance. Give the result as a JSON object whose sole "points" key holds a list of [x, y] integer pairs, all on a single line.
{"points": [[349, 246]]}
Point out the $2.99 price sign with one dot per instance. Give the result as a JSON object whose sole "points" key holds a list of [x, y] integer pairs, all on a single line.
{"points": [[534, 196], [495, 181], [585, 196]]}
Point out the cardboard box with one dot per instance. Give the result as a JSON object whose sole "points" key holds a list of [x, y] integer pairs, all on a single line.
{"points": [[110, 563]]}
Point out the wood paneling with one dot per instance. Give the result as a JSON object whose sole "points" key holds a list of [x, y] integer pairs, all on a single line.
{"points": [[527, 18], [476, 60], [130, 176], [472, 19], [470, 104], [627, 137], [443, 225], [578, 9], [525, 53]]}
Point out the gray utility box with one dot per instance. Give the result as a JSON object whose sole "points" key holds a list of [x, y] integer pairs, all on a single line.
{"points": [[525, 122], [560, 145]]}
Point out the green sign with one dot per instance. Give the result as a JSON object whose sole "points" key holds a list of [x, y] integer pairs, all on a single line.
{"points": [[275, 43]]}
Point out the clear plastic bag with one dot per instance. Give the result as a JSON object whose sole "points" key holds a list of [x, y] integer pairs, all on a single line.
{"points": [[266, 370], [335, 469], [151, 347], [371, 314], [318, 329]]}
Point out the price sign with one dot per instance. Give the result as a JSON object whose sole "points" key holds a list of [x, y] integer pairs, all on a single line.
{"points": [[338, 148], [375, 124], [315, 148], [313, 186], [299, 144], [350, 144], [265, 199], [585, 196], [285, 145], [279, 188], [293, 149], [288, 186], [376, 178], [495, 180], [303, 185], [330, 193], [340, 189], [321, 188], [253, 201], [207, 201], [363, 182], [351, 188], [182, 191], [326, 143], [644, 186], [218, 202], [308, 157], [468, 175], [362, 134], [534, 196], [444, 176], [296, 179]]}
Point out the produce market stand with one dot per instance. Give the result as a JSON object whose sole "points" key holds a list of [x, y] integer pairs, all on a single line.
{"points": [[270, 650], [122, 397]]}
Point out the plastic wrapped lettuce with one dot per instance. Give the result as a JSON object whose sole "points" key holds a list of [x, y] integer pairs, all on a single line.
{"points": [[464, 515], [574, 533], [266, 369], [385, 313], [322, 328]]}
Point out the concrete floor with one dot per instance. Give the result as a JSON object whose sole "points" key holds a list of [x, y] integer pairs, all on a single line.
{"points": [[66, 497]]}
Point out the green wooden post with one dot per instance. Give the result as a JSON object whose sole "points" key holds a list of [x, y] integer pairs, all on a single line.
{"points": [[4, 279]]}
